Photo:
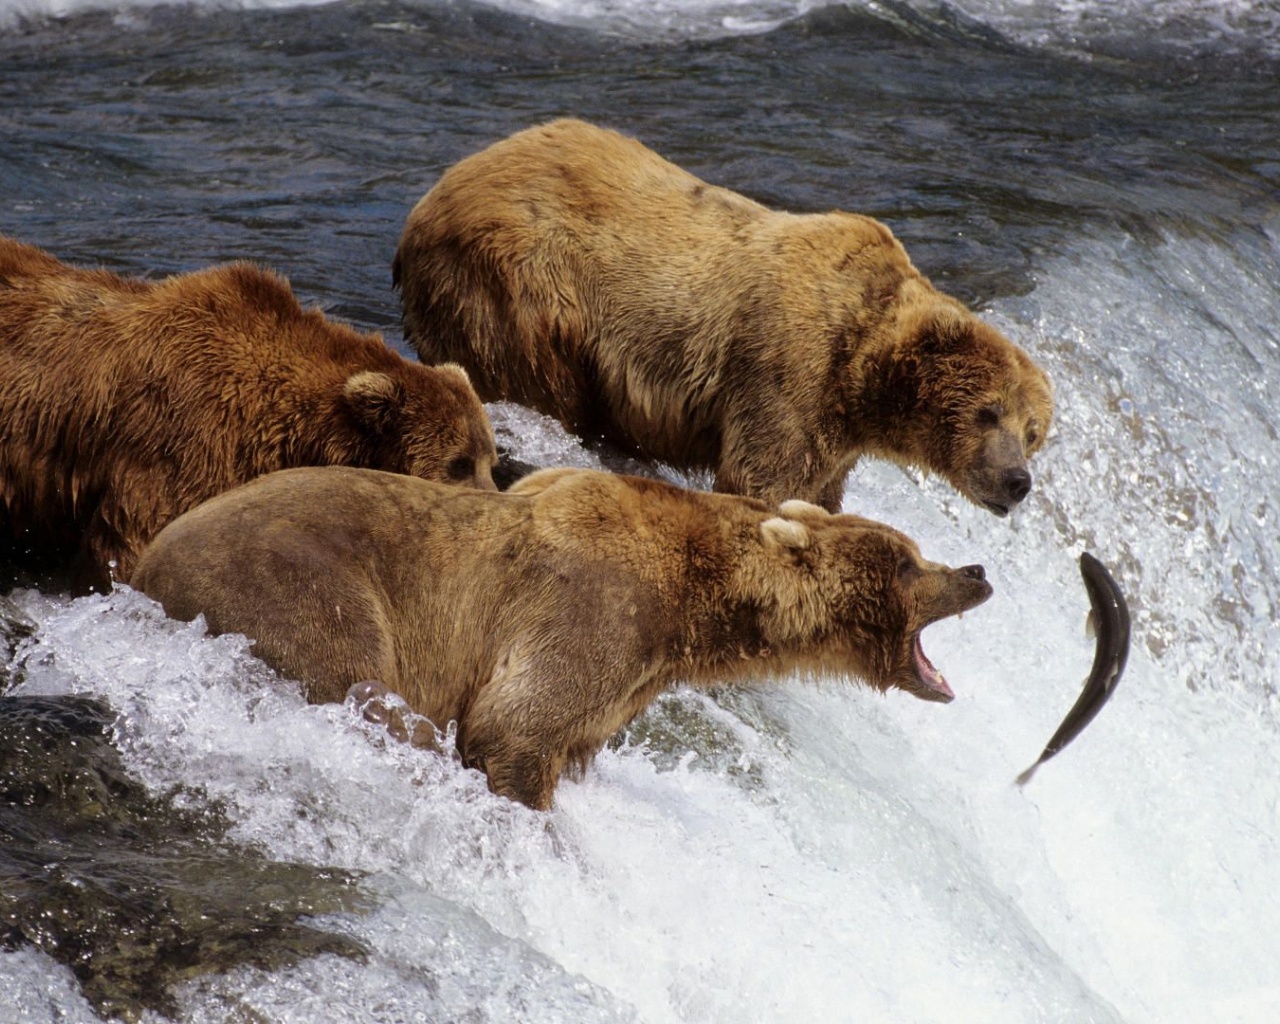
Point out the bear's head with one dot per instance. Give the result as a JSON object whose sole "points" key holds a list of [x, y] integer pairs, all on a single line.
{"points": [[425, 422], [862, 596], [961, 400]]}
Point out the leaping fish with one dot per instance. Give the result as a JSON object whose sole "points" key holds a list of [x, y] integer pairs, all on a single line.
{"points": [[1110, 618]]}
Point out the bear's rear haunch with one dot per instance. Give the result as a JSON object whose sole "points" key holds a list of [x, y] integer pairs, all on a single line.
{"points": [[544, 619], [574, 270]]}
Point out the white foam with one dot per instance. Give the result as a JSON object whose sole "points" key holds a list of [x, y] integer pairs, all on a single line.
{"points": [[1082, 25]]}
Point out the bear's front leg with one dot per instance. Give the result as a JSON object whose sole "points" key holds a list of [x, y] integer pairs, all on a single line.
{"points": [[512, 730], [831, 497], [776, 468], [522, 771], [104, 557], [553, 701]]}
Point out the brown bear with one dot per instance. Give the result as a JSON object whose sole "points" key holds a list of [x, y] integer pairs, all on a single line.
{"points": [[124, 403], [574, 270], [543, 619]]}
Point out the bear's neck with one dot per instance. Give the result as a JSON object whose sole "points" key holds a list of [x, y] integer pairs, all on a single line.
{"points": [[314, 427], [759, 624], [880, 394], [727, 655], [874, 402]]}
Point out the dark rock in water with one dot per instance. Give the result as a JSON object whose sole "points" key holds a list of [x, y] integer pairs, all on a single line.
{"points": [[674, 727], [133, 892], [508, 469], [14, 628]]}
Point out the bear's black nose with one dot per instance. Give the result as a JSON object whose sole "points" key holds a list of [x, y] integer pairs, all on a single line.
{"points": [[1017, 483], [974, 572]]}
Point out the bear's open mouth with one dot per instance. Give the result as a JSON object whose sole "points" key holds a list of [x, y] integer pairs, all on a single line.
{"points": [[932, 685]]}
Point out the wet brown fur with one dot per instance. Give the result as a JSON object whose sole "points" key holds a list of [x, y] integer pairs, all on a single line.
{"points": [[574, 270], [126, 402], [544, 618]]}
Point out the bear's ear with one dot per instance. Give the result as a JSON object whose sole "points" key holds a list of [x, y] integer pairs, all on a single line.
{"points": [[785, 533], [796, 507], [374, 398]]}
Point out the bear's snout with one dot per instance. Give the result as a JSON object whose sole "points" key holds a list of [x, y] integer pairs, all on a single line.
{"points": [[968, 588], [1017, 483], [998, 478]]}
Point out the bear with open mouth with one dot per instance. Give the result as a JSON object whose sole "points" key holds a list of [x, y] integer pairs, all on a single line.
{"points": [[545, 618]]}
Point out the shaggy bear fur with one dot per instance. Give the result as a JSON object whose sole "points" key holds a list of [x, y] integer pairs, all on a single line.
{"points": [[125, 402], [543, 619], [574, 270]]}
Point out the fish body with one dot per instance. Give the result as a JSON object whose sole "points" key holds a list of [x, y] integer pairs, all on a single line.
{"points": [[1109, 616]]}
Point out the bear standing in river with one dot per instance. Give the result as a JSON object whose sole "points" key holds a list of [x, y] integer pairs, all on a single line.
{"points": [[543, 619], [574, 270], [125, 402]]}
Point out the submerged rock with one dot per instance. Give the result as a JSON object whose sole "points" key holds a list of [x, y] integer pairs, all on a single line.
{"points": [[134, 892], [14, 628]]}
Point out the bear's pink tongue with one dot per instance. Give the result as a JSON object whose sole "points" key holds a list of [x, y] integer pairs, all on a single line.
{"points": [[929, 676]]}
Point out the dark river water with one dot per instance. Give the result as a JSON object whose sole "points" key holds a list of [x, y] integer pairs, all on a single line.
{"points": [[1100, 179], [172, 137]]}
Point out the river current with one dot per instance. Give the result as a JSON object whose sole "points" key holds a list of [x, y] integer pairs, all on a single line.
{"points": [[1099, 178]]}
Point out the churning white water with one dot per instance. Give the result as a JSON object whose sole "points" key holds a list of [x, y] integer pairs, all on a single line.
{"points": [[809, 851]]}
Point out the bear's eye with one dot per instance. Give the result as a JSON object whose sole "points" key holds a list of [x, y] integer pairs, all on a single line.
{"points": [[461, 468], [1033, 436], [907, 567], [989, 416]]}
